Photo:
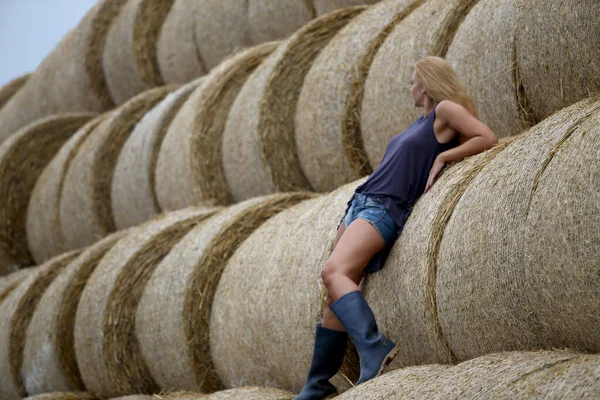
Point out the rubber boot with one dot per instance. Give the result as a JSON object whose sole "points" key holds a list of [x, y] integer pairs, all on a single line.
{"points": [[328, 355], [374, 349]]}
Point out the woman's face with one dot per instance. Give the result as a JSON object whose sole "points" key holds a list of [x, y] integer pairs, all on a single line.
{"points": [[417, 91]]}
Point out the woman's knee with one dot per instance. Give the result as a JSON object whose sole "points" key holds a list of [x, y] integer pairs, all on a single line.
{"points": [[329, 273]]}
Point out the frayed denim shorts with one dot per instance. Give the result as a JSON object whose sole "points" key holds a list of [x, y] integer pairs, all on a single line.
{"points": [[374, 212]]}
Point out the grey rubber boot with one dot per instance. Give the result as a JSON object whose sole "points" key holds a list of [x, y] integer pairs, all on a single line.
{"points": [[328, 355], [374, 349]]}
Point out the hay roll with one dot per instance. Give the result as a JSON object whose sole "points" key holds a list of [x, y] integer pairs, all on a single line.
{"points": [[557, 53], [70, 78], [177, 53], [325, 6], [173, 319], [273, 19], [250, 393], [16, 311], [105, 344], [23, 157], [49, 362], [8, 90], [283, 297], [259, 154], [64, 396], [189, 168], [387, 107], [523, 274], [85, 212], [44, 235], [133, 198], [9, 282], [327, 132]]}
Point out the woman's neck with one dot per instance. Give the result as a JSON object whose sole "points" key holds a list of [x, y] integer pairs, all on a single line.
{"points": [[429, 106]]}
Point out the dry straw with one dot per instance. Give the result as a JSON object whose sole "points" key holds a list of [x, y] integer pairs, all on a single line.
{"points": [[180, 395], [273, 19], [7, 91], [49, 362], [52, 91], [173, 319], [326, 6], [387, 107], [268, 302], [130, 62], [85, 212], [134, 397], [327, 123], [64, 396], [105, 344], [259, 154], [251, 393], [9, 282], [133, 198], [557, 53], [44, 235], [483, 55], [23, 157], [16, 311], [189, 168], [523, 273]]}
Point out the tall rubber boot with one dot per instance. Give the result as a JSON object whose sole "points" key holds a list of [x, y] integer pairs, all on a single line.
{"points": [[328, 355], [374, 349]]}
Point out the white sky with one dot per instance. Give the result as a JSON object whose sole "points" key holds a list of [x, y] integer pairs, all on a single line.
{"points": [[30, 29]]}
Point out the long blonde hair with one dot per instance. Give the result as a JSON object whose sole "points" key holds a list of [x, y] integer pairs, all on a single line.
{"points": [[441, 82]]}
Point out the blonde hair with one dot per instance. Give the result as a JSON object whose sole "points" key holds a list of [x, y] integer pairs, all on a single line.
{"points": [[441, 82]]}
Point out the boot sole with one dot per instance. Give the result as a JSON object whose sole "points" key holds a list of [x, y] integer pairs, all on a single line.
{"points": [[388, 359]]}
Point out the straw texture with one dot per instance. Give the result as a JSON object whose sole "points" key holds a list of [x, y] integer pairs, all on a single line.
{"points": [[179, 396], [327, 132], [9, 282], [85, 205], [22, 159], [105, 344], [44, 236], [387, 107], [70, 78], [173, 319], [509, 280], [273, 19], [283, 298], [251, 393], [16, 310], [325, 6], [49, 362], [64, 396], [133, 198], [483, 55], [557, 53], [259, 154], [189, 168], [8, 90]]}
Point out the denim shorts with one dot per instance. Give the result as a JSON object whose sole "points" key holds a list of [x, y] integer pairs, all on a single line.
{"points": [[372, 211]]}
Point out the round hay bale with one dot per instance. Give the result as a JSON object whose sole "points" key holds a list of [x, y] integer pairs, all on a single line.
{"points": [[8, 90], [64, 396], [387, 107], [133, 198], [523, 274], [484, 58], [173, 318], [220, 28], [179, 396], [44, 235], [273, 19], [16, 311], [134, 397], [70, 79], [259, 154], [177, 52], [12, 280], [250, 393], [23, 157], [557, 53], [85, 213], [189, 167], [266, 336], [49, 362], [129, 60], [327, 130], [325, 6], [106, 348]]}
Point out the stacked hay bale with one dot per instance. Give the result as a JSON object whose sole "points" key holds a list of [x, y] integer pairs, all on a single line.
{"points": [[8, 90], [133, 195], [324, 6], [9, 282], [189, 168], [259, 155], [388, 109], [129, 60], [16, 311], [250, 393], [271, 20], [327, 124], [106, 348], [50, 91], [22, 159], [44, 236], [85, 206], [64, 396], [173, 319]]}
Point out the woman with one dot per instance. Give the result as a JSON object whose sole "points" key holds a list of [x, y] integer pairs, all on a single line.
{"points": [[448, 130]]}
